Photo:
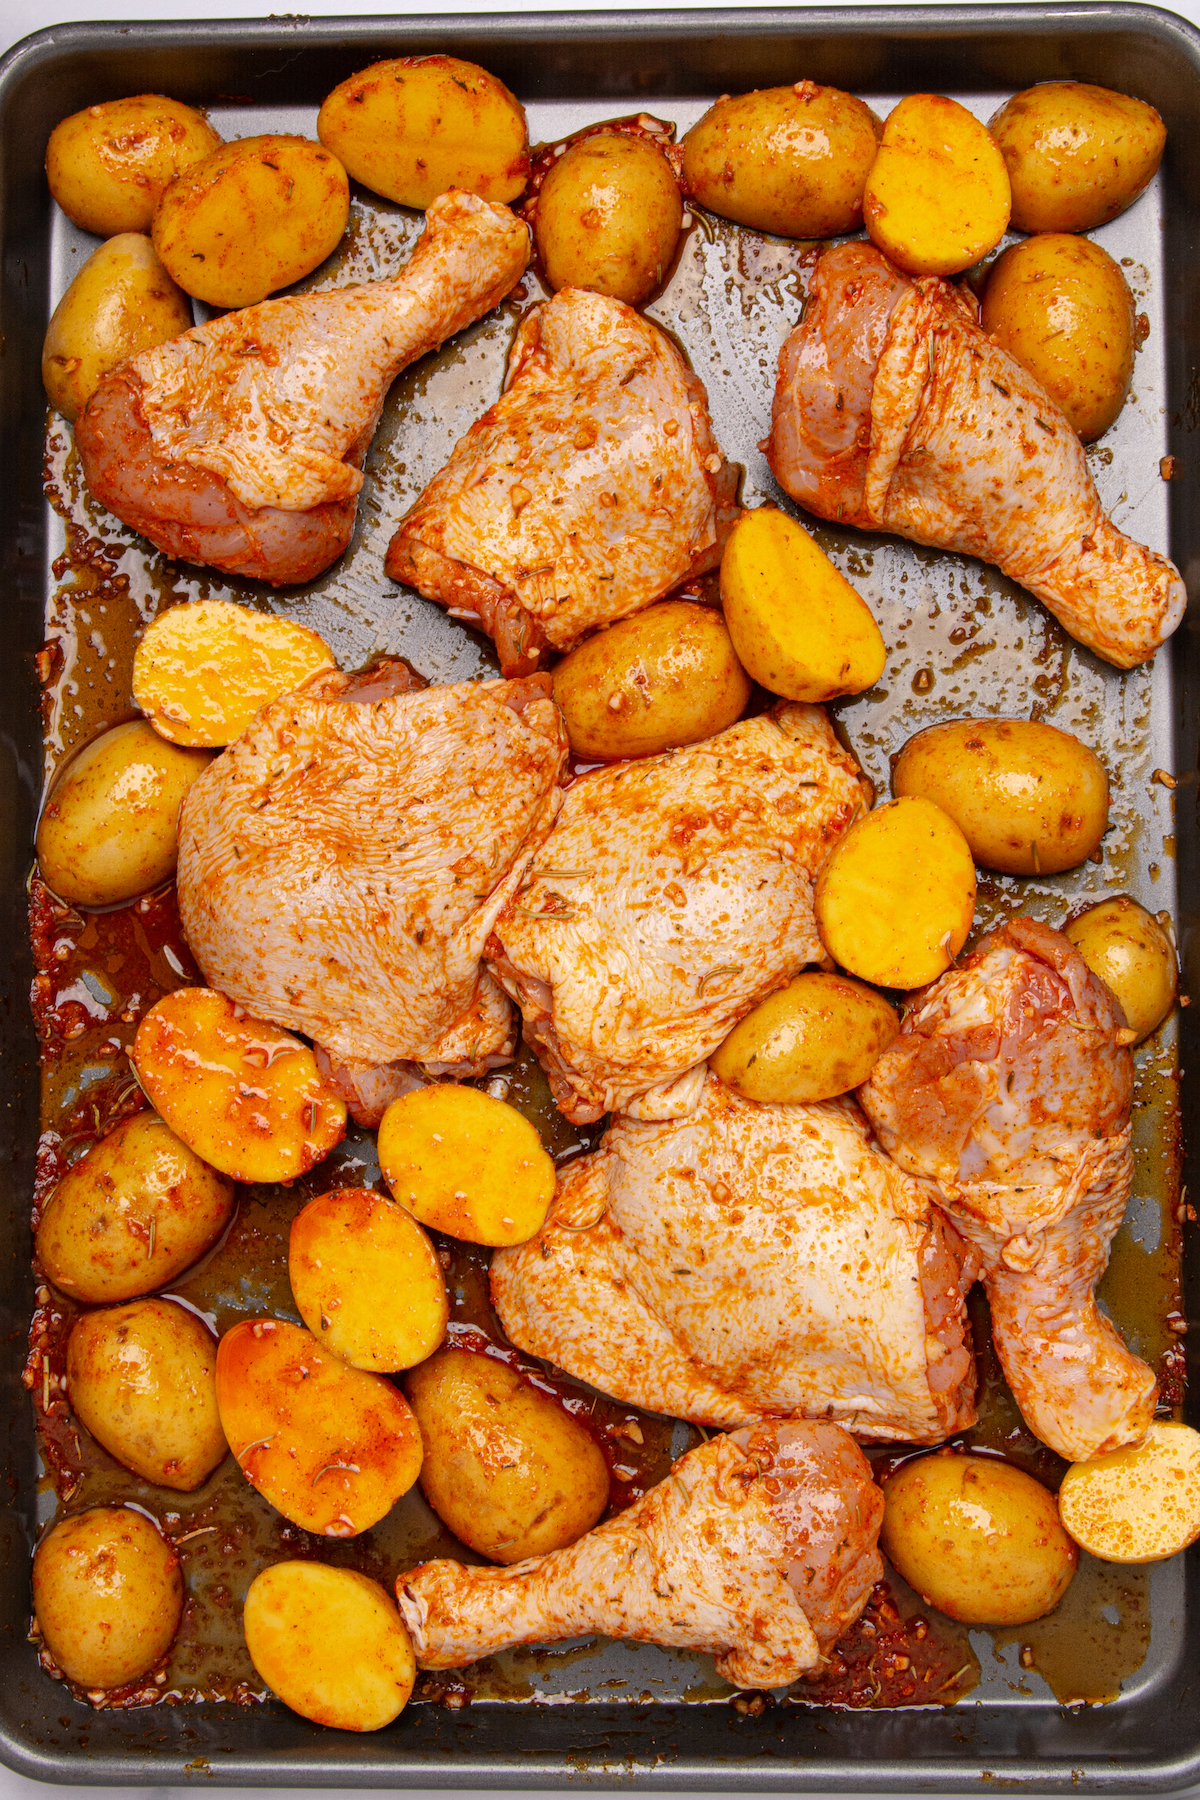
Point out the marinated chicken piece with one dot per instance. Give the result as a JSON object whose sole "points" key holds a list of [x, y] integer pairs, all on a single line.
{"points": [[1009, 1086], [343, 864], [674, 893], [241, 443], [591, 488], [894, 412], [751, 1262], [758, 1547]]}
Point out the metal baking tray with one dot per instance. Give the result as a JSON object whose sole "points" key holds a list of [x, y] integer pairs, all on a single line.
{"points": [[963, 640]]}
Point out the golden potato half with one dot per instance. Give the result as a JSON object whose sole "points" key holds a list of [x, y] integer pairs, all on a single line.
{"points": [[203, 669], [121, 302], [466, 1164], [107, 1594], [109, 165], [330, 1643], [1133, 956], [367, 1280], [608, 217], [1077, 155], [816, 1038], [937, 197], [1139, 1504]]}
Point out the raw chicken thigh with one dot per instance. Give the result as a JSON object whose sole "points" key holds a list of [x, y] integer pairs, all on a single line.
{"points": [[591, 488], [748, 1262], [1009, 1086], [759, 1547], [241, 443], [894, 412]]}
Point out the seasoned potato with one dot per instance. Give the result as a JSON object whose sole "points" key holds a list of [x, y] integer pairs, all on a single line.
{"points": [[506, 1466], [132, 1214], [1077, 155], [141, 1377], [108, 1595], [1139, 1504], [666, 677], [121, 302], [414, 126], [367, 1280], [1061, 308], [818, 1037], [332, 1448], [330, 1643], [896, 897], [977, 1538], [790, 160], [109, 165], [608, 217], [203, 669], [254, 216], [466, 1164], [795, 621], [109, 830], [242, 1094], [1028, 798], [1133, 956], [937, 197]]}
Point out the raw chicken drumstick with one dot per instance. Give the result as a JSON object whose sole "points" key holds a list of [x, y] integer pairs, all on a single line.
{"points": [[241, 443], [1009, 1086], [894, 412], [759, 1547]]}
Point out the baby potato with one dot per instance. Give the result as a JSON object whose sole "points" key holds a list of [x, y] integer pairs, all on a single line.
{"points": [[1077, 155], [109, 830], [789, 160], [819, 1036], [896, 896], [109, 165], [254, 216], [666, 677], [1128, 949], [330, 1643], [131, 1214], [242, 1094], [608, 217], [107, 1594], [466, 1164], [141, 1378], [204, 668], [332, 1448], [367, 1280], [121, 302], [937, 197], [413, 126], [1139, 1504], [1028, 798], [796, 623], [977, 1538], [506, 1466]]}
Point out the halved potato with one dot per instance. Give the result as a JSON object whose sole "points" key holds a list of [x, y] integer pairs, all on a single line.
{"points": [[608, 217], [1133, 956], [819, 1036], [203, 669], [109, 166], [330, 1643], [1077, 154], [466, 1164], [1139, 1504], [937, 197], [121, 302], [367, 1280], [107, 1594]]}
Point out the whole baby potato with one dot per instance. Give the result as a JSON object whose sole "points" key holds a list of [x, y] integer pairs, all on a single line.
{"points": [[367, 1280], [330, 1643], [1077, 155], [1061, 308], [109, 165], [1128, 949], [254, 216], [131, 1214], [121, 302], [608, 217], [819, 1036], [1028, 798], [977, 1538], [506, 1466], [790, 160], [666, 677], [107, 1594], [109, 830]]}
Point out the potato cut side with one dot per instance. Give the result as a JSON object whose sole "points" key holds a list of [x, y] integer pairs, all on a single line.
{"points": [[245, 1096], [203, 669], [1139, 1504], [466, 1164], [816, 1038], [330, 1643], [895, 899], [797, 625], [367, 1280], [938, 195], [1133, 956]]}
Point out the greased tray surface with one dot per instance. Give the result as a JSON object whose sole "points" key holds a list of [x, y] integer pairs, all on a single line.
{"points": [[962, 641]]}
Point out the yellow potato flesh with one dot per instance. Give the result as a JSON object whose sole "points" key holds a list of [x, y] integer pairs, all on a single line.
{"points": [[797, 625], [109, 165], [466, 1164], [1133, 956], [937, 196], [1138, 1504], [245, 1096], [121, 302], [818, 1037], [608, 217], [108, 1595], [203, 669], [1077, 155], [367, 1280], [330, 1643]]}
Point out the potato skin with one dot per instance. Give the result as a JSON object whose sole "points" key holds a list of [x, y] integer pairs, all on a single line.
{"points": [[1133, 956], [666, 677], [109, 165], [506, 1467], [1028, 798], [608, 217], [977, 1538], [1077, 155], [107, 1594], [367, 1280], [937, 196], [121, 302], [819, 1036], [330, 1643], [789, 160]]}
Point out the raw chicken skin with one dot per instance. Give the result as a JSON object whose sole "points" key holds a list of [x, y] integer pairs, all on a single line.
{"points": [[673, 894], [240, 444], [1010, 1087], [591, 488], [750, 1262], [758, 1548], [894, 412]]}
